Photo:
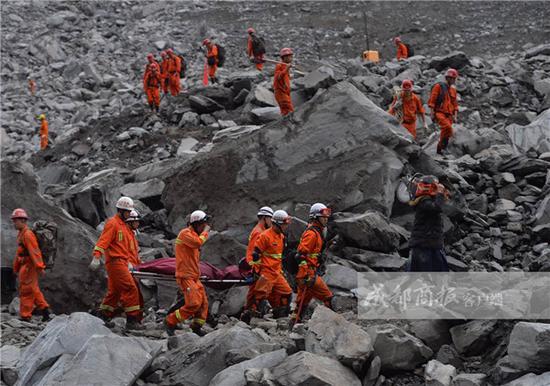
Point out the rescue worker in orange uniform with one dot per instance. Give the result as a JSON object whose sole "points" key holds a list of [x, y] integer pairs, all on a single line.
{"points": [[310, 283], [173, 69], [443, 104], [211, 59], [257, 58], [188, 244], [410, 106], [402, 51], [267, 262], [32, 86], [43, 132], [152, 81], [28, 264], [264, 222], [133, 223], [164, 71], [117, 242], [281, 82]]}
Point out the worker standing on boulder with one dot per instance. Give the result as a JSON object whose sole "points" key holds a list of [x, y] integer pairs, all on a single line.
{"points": [[188, 244], [267, 259], [212, 59], [117, 242], [444, 107], [281, 82], [43, 132], [310, 284], [152, 81], [173, 72], [28, 264], [264, 222], [255, 49], [402, 50], [164, 71], [32, 87], [426, 242], [407, 106]]}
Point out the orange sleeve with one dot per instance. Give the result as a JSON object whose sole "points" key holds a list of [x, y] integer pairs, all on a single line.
{"points": [[17, 264], [307, 242], [145, 78], [419, 106], [249, 47], [433, 96], [251, 244], [261, 242], [391, 110], [105, 240], [401, 51], [31, 244], [178, 64], [44, 127], [192, 240], [455, 100]]}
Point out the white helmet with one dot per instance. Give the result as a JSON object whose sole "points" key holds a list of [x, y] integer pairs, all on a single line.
{"points": [[265, 211], [319, 210], [281, 217], [125, 203], [134, 216], [198, 216]]}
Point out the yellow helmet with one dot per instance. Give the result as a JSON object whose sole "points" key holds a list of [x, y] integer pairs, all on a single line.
{"points": [[42, 116]]}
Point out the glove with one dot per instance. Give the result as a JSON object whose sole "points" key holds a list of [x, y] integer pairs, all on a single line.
{"points": [[94, 265], [130, 267], [255, 256]]}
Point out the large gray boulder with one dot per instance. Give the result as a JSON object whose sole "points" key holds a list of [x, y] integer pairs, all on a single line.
{"points": [[69, 285], [438, 374], [529, 346], [322, 77], [63, 335], [9, 358], [535, 135], [329, 334], [456, 59], [143, 190], [397, 349], [472, 338], [234, 375], [305, 368], [222, 250], [338, 145], [338, 276], [531, 380]]}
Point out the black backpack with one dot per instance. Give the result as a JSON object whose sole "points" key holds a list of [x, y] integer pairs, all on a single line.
{"points": [[221, 55], [258, 45], [292, 259], [183, 69], [46, 234], [442, 93], [410, 50]]}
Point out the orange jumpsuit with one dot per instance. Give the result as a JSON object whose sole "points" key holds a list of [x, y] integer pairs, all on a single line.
{"points": [[44, 135], [164, 74], [188, 275], [444, 113], [152, 81], [259, 59], [402, 51], [271, 285], [310, 248], [117, 242], [212, 52], [281, 88], [32, 86], [259, 228], [28, 265], [173, 69], [412, 106]]}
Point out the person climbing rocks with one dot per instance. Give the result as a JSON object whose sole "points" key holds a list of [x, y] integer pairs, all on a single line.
{"points": [[133, 223], [281, 82], [255, 49], [310, 283], [29, 266], [264, 222], [188, 244], [407, 106], [270, 285], [402, 50], [443, 104], [152, 82], [117, 243], [43, 132], [211, 59], [173, 72], [32, 87], [427, 253], [164, 71]]}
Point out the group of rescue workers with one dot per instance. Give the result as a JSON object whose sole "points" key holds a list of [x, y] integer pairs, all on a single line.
{"points": [[263, 263]]}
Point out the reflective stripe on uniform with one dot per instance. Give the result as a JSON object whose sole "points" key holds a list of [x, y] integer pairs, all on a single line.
{"points": [[178, 316], [96, 248], [132, 308], [199, 321], [313, 254], [303, 262], [120, 236], [106, 307], [178, 242], [203, 238], [273, 255]]}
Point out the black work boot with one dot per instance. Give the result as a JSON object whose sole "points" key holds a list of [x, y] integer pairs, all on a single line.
{"points": [[132, 323], [107, 320], [246, 316], [45, 314], [197, 329], [170, 331]]}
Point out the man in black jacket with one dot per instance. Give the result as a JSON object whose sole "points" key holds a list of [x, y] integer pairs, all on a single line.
{"points": [[426, 242]]}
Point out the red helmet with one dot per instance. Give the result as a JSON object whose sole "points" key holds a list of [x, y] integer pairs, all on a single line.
{"points": [[19, 213], [155, 67], [286, 51], [407, 84], [205, 42], [163, 54], [451, 73], [396, 40], [169, 51], [251, 30]]}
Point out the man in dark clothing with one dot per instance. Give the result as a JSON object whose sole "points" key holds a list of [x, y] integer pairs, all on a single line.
{"points": [[426, 242]]}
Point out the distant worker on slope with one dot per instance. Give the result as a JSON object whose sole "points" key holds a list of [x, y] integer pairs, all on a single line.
{"points": [[164, 71], [402, 49], [212, 59], [255, 49], [152, 81], [444, 107], [173, 72], [43, 132], [281, 82], [32, 87], [406, 106]]}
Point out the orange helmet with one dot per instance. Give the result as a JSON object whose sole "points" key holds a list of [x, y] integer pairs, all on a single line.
{"points": [[407, 85], [451, 73], [251, 30], [19, 213], [205, 42], [286, 51]]}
